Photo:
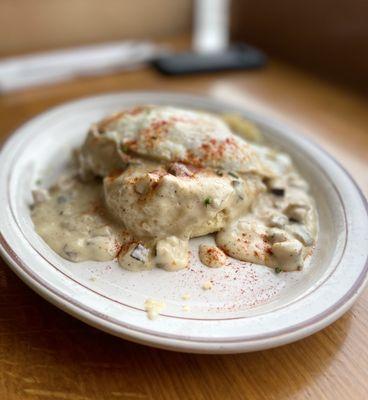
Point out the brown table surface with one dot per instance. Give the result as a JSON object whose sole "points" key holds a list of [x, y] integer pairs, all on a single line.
{"points": [[46, 354]]}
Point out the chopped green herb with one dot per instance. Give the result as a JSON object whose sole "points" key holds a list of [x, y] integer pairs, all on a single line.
{"points": [[278, 270], [38, 182], [124, 148], [233, 175], [207, 201]]}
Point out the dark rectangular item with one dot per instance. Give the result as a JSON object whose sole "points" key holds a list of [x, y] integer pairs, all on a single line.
{"points": [[236, 57]]}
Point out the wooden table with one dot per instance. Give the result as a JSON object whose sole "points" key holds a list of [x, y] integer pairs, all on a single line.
{"points": [[46, 354]]}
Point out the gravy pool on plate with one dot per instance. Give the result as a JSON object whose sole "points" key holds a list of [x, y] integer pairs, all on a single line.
{"points": [[150, 178]]}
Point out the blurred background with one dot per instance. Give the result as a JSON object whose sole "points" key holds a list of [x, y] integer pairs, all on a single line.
{"points": [[327, 37], [32, 25]]}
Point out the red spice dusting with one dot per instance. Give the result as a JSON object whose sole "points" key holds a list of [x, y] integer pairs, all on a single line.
{"points": [[124, 247], [114, 174], [213, 151], [114, 117], [118, 248], [269, 250], [213, 254], [154, 132], [131, 145]]}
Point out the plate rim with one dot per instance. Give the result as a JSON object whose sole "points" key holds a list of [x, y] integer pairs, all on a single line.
{"points": [[340, 307]]}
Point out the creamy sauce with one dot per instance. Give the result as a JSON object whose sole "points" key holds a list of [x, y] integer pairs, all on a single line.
{"points": [[280, 228], [146, 185], [75, 223], [211, 256]]}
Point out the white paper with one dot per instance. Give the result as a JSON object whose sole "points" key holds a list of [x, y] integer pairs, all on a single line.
{"points": [[29, 70]]}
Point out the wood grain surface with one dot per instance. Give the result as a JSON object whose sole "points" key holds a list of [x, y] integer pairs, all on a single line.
{"points": [[46, 354]]}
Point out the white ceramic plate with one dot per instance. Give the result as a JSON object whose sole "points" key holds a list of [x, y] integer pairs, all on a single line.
{"points": [[249, 307]]}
